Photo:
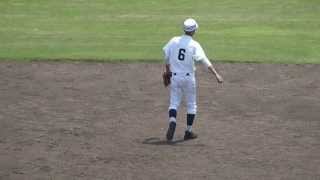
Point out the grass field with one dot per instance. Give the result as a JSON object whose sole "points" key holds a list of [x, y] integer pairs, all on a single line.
{"points": [[274, 31]]}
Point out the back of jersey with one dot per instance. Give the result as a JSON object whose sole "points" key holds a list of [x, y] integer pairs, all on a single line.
{"points": [[179, 52]]}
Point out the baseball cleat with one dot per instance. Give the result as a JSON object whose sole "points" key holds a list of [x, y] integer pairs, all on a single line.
{"points": [[171, 130], [190, 135]]}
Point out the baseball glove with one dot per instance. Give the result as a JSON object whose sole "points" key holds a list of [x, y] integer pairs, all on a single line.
{"points": [[166, 77]]}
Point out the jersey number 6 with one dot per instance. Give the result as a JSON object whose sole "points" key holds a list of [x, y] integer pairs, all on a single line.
{"points": [[181, 55]]}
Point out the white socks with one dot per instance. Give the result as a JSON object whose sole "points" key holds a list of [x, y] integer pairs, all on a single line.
{"points": [[189, 128], [172, 119]]}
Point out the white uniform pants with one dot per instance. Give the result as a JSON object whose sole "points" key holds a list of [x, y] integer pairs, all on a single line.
{"points": [[183, 85]]}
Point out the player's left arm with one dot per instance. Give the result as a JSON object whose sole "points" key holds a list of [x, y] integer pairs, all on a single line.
{"points": [[166, 75], [167, 68]]}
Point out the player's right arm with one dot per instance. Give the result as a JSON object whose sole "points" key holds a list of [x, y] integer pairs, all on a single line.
{"points": [[217, 75], [201, 56]]}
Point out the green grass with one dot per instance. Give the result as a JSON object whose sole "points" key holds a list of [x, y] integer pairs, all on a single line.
{"points": [[274, 31]]}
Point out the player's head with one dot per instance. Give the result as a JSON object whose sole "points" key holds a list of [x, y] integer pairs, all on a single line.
{"points": [[190, 26]]}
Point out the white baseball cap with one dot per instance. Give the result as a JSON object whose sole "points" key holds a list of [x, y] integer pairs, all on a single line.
{"points": [[190, 25]]}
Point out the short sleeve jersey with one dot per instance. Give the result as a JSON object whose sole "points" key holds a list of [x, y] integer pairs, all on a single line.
{"points": [[182, 52]]}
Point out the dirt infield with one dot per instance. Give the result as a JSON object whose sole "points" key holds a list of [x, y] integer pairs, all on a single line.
{"points": [[108, 121]]}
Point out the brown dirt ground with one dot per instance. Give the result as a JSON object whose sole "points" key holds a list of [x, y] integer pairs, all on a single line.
{"points": [[108, 121]]}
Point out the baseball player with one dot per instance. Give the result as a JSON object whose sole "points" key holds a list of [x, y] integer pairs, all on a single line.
{"points": [[180, 54]]}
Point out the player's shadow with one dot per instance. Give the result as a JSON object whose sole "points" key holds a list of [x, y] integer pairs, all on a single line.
{"points": [[158, 141]]}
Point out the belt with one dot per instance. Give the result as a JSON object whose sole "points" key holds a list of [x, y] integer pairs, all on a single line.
{"points": [[186, 74]]}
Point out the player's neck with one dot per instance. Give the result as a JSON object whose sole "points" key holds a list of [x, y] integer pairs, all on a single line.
{"points": [[189, 34]]}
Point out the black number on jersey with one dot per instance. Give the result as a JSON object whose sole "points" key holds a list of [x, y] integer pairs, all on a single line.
{"points": [[181, 55]]}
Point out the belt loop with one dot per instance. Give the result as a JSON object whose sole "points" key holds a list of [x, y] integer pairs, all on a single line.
{"points": [[186, 74]]}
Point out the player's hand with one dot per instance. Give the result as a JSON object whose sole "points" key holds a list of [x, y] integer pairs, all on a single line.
{"points": [[219, 78]]}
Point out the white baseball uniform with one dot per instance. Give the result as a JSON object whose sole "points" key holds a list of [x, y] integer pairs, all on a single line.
{"points": [[181, 53]]}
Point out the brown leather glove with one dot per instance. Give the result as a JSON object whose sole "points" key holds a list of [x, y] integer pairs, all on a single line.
{"points": [[166, 76]]}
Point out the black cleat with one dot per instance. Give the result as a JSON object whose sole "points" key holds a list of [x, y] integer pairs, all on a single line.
{"points": [[171, 130], [190, 135]]}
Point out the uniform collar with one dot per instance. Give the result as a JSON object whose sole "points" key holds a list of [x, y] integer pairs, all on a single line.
{"points": [[187, 36]]}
